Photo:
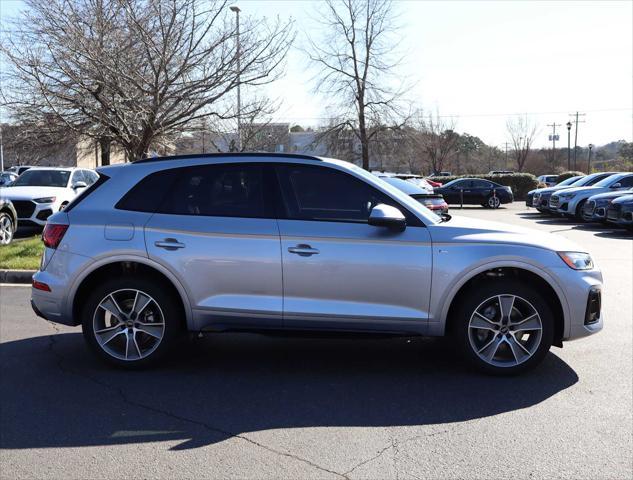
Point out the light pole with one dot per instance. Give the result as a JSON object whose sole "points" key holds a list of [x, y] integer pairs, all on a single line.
{"points": [[1, 152], [568, 146], [589, 159], [237, 11]]}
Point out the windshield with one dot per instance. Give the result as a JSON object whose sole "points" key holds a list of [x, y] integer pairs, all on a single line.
{"points": [[570, 181], [588, 180], [43, 178], [605, 182]]}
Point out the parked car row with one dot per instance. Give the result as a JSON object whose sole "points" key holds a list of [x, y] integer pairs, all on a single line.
{"points": [[600, 197], [32, 194]]}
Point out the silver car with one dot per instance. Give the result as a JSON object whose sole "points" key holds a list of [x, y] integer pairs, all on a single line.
{"points": [[260, 242]]}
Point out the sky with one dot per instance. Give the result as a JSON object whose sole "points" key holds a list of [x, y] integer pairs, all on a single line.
{"points": [[480, 63]]}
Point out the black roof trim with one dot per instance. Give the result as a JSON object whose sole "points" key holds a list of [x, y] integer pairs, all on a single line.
{"points": [[232, 155]]}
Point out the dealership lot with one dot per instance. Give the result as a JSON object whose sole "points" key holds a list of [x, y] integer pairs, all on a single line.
{"points": [[249, 406]]}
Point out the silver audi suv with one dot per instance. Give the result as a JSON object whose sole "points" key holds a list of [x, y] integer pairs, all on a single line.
{"points": [[261, 242]]}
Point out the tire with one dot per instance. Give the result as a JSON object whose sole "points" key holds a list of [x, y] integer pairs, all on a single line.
{"points": [[7, 228], [578, 213], [136, 341], [493, 202], [499, 338]]}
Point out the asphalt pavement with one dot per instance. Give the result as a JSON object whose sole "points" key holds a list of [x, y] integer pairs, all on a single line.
{"points": [[251, 406]]}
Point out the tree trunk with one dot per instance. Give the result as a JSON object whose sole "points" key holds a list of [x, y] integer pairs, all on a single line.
{"points": [[104, 146], [362, 131]]}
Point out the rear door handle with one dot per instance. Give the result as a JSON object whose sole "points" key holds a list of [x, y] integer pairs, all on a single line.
{"points": [[169, 244], [303, 250]]}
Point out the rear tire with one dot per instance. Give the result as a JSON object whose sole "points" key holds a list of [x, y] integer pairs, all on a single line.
{"points": [[131, 322], [497, 343]]}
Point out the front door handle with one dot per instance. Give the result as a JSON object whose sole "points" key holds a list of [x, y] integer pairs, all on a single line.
{"points": [[303, 250], [169, 244]]}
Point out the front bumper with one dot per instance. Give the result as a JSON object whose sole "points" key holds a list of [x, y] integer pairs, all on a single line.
{"points": [[32, 213], [620, 216]]}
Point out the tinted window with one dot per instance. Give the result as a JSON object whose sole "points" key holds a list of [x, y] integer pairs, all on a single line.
{"points": [[458, 184], [599, 180], [481, 184], [78, 176], [326, 194], [222, 190], [43, 178], [627, 181]]}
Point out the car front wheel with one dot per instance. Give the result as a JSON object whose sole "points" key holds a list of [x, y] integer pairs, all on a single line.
{"points": [[504, 327], [130, 322], [493, 202], [6, 229]]}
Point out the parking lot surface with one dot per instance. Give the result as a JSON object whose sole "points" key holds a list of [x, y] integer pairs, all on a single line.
{"points": [[250, 406]]}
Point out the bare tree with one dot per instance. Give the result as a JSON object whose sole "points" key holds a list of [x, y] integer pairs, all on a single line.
{"points": [[522, 133], [433, 139], [134, 71], [356, 68]]}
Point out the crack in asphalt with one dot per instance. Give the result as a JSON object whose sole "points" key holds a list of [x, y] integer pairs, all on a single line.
{"points": [[127, 400], [395, 446]]}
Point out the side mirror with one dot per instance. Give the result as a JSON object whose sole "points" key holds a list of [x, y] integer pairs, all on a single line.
{"points": [[616, 185], [79, 185], [387, 216]]}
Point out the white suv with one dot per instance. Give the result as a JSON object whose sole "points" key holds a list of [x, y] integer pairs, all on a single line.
{"points": [[41, 191]]}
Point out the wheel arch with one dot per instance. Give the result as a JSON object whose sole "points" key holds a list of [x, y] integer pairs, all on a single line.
{"points": [[544, 283], [123, 265]]}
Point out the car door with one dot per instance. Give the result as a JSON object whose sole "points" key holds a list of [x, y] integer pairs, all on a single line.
{"points": [[458, 191], [479, 191], [216, 231], [339, 272]]}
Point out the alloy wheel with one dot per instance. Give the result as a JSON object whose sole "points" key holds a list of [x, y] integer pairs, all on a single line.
{"points": [[494, 202], [128, 324], [505, 330], [6, 230]]}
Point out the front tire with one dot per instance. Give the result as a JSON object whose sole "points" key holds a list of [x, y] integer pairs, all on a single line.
{"points": [[6, 228], [130, 322], [578, 213], [493, 202], [503, 327]]}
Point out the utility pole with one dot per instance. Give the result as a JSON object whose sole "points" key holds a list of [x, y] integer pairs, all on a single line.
{"points": [[553, 138], [568, 146], [237, 11], [506, 158], [576, 133], [589, 159]]}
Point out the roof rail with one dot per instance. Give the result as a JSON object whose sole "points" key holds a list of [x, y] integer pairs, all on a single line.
{"points": [[224, 155]]}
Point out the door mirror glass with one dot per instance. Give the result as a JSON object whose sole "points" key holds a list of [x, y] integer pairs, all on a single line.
{"points": [[387, 216], [77, 185], [616, 185]]}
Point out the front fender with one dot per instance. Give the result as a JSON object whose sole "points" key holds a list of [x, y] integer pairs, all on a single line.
{"points": [[441, 303]]}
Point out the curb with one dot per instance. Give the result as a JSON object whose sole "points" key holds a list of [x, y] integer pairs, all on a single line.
{"points": [[16, 276]]}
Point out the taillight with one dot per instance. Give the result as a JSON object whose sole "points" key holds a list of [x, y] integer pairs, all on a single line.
{"points": [[53, 234]]}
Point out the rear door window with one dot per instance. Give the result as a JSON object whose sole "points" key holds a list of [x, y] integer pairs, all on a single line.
{"points": [[224, 190]]}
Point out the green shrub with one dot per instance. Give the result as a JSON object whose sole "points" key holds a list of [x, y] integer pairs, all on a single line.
{"points": [[521, 183], [566, 175]]}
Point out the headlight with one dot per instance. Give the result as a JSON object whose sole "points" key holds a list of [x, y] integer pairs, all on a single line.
{"points": [[577, 260], [567, 195], [44, 200]]}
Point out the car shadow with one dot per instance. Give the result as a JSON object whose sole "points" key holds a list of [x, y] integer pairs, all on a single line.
{"points": [[55, 394]]}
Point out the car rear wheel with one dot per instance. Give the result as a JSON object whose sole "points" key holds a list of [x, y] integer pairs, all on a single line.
{"points": [[6, 228], [130, 322], [504, 327]]}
